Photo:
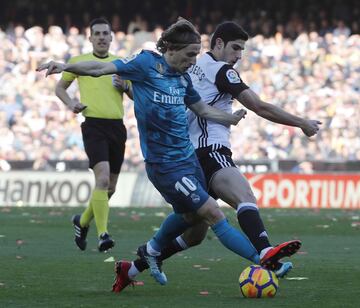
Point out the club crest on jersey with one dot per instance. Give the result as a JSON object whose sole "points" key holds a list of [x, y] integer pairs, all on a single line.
{"points": [[129, 58], [195, 198], [160, 68], [233, 76]]}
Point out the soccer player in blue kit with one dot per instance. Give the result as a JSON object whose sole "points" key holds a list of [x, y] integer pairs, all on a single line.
{"points": [[162, 90], [218, 84]]}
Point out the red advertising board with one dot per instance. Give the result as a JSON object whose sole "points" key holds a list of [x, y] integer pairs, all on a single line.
{"points": [[288, 190]]}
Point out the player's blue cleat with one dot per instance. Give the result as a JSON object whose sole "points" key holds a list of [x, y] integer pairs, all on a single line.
{"points": [[283, 269], [154, 265], [80, 232], [105, 242]]}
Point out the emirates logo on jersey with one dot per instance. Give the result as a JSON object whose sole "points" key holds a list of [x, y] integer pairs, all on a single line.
{"points": [[233, 76]]}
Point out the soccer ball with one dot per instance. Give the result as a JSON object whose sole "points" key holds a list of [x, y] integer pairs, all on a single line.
{"points": [[256, 281]]}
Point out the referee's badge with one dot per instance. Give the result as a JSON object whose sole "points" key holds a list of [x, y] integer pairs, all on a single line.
{"points": [[233, 76]]}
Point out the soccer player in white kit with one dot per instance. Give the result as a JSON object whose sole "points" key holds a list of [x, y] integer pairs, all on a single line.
{"points": [[218, 83]]}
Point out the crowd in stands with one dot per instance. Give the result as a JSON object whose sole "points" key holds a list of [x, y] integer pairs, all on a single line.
{"points": [[312, 70]]}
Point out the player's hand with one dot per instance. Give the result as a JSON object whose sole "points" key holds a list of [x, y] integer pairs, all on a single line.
{"points": [[52, 67], [311, 127], [120, 83], [76, 107], [239, 114]]}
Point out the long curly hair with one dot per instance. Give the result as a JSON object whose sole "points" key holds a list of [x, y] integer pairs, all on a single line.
{"points": [[178, 36]]}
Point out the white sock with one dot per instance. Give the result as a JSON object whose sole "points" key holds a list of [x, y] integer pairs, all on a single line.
{"points": [[243, 206], [264, 251], [133, 271], [151, 251]]}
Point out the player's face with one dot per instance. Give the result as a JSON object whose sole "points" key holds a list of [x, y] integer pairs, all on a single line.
{"points": [[182, 59], [100, 38], [232, 51]]}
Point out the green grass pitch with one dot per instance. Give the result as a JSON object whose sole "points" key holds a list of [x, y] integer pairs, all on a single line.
{"points": [[41, 267]]}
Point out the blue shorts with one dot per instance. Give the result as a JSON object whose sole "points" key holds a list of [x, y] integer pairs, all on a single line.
{"points": [[182, 184]]}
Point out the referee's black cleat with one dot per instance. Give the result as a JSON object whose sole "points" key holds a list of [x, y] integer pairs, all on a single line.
{"points": [[105, 242], [80, 232]]}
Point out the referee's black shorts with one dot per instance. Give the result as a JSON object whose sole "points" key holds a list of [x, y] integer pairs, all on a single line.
{"points": [[212, 159], [104, 140]]}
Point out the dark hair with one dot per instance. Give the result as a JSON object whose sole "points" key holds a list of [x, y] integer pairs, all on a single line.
{"points": [[228, 31], [178, 36], [99, 21]]}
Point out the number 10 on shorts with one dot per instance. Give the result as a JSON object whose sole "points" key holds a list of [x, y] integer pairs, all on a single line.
{"points": [[186, 186]]}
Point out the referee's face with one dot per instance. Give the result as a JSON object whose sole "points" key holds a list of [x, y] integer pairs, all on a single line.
{"points": [[232, 51], [100, 38]]}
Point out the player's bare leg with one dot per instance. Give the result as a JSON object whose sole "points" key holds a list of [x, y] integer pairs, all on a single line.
{"points": [[233, 188]]}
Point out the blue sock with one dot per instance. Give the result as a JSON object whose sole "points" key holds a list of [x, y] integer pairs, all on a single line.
{"points": [[172, 226], [232, 239]]}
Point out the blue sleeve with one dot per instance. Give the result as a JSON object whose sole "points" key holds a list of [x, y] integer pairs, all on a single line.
{"points": [[192, 96], [133, 68]]}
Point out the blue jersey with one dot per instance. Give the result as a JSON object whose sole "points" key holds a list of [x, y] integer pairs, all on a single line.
{"points": [[160, 98]]}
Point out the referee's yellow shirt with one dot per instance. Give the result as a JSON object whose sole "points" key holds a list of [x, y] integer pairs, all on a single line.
{"points": [[102, 99]]}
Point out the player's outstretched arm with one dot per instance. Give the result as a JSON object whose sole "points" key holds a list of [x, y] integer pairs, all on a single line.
{"points": [[86, 68], [275, 114], [203, 110]]}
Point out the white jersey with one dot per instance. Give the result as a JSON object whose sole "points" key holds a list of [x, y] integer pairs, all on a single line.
{"points": [[217, 83]]}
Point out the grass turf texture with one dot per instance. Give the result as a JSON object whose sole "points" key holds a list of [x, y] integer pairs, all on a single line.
{"points": [[41, 267]]}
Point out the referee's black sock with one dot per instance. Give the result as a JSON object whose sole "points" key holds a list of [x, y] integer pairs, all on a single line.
{"points": [[250, 222]]}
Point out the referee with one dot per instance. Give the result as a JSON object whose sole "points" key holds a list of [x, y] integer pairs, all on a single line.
{"points": [[103, 132]]}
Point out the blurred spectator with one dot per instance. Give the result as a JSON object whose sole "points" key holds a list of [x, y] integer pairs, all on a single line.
{"points": [[305, 167], [306, 67], [41, 164]]}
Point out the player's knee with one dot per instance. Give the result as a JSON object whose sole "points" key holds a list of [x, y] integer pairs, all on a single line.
{"points": [[211, 212], [215, 216], [236, 196], [102, 181]]}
